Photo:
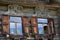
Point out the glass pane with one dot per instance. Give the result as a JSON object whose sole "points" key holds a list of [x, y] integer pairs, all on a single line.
{"points": [[19, 28], [42, 20], [40, 29], [15, 19], [12, 28], [44, 25]]}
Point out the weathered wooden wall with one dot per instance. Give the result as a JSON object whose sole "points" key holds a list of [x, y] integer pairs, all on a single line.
{"points": [[41, 11]]}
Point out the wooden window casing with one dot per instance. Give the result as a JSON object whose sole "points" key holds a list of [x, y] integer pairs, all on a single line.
{"points": [[16, 23], [34, 24], [26, 25], [5, 23], [51, 25], [46, 27]]}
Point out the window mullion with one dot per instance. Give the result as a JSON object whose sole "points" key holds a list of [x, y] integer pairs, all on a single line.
{"points": [[16, 27]]}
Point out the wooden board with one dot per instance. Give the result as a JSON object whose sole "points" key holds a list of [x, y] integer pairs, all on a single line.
{"points": [[34, 25], [51, 25], [26, 25], [5, 24], [5, 19]]}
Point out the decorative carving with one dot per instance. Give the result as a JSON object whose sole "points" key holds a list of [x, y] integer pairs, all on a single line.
{"points": [[15, 7]]}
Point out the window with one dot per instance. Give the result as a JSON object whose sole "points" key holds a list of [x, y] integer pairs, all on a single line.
{"points": [[41, 24], [16, 25], [19, 28], [15, 19], [42, 20], [12, 28]]}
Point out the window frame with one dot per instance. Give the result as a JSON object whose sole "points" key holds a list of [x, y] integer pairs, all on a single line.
{"points": [[16, 26], [42, 23]]}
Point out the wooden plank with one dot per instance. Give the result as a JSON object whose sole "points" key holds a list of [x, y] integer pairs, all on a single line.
{"points": [[31, 4], [5, 24], [6, 29], [5, 19], [26, 25], [4, 8], [51, 26], [34, 24]]}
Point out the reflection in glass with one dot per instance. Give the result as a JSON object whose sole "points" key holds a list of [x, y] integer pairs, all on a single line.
{"points": [[19, 28], [15, 19], [42, 20], [12, 28], [44, 25], [16, 25], [41, 28]]}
